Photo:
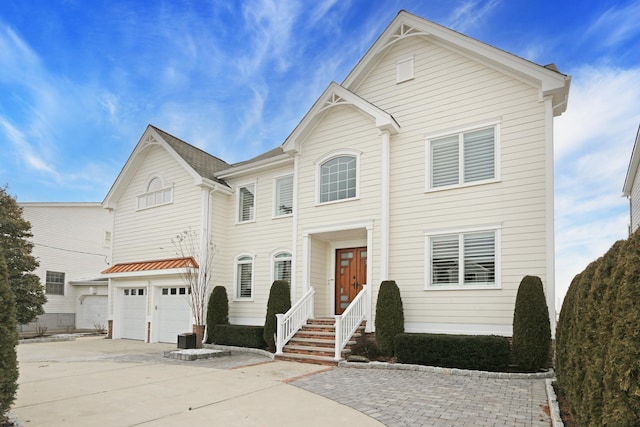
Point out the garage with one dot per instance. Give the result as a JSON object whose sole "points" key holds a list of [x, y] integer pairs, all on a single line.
{"points": [[132, 316], [174, 313], [94, 312]]}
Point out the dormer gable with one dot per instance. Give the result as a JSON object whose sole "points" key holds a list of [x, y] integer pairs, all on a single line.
{"points": [[197, 163], [336, 95]]}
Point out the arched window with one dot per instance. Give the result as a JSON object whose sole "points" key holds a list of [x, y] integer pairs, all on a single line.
{"points": [[156, 194], [338, 178], [282, 267]]}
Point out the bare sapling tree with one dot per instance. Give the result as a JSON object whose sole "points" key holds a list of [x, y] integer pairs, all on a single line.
{"points": [[197, 275]]}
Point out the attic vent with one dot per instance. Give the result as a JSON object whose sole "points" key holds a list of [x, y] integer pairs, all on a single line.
{"points": [[404, 70]]}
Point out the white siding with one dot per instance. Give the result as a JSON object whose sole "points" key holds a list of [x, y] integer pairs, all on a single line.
{"points": [[146, 234], [260, 238], [69, 238], [635, 201], [450, 91]]}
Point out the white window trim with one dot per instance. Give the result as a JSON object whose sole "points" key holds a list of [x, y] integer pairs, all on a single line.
{"points": [[236, 278], [255, 201], [275, 196], [330, 156], [496, 124], [273, 261], [146, 193], [496, 228]]}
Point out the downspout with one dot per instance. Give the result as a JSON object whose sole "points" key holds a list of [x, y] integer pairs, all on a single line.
{"points": [[549, 195]]}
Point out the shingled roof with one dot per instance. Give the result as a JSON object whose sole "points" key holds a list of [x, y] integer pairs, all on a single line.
{"points": [[202, 162]]}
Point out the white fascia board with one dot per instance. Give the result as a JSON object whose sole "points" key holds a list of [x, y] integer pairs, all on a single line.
{"points": [[634, 163], [548, 81], [252, 167], [60, 204]]}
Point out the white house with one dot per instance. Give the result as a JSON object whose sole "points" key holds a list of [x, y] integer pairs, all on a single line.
{"points": [[72, 242], [431, 164], [631, 188]]}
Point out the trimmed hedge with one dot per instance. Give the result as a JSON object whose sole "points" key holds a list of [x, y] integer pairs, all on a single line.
{"points": [[8, 342], [598, 339], [217, 309], [239, 336], [279, 302], [531, 328], [477, 352], [389, 316]]}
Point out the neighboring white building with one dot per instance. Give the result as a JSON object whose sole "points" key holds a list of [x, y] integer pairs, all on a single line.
{"points": [[631, 188], [430, 165], [72, 243]]}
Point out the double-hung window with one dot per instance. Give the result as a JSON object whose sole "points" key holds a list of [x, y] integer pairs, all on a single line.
{"points": [[465, 158], [338, 178], [282, 267], [462, 260], [284, 196], [246, 203], [244, 277], [54, 284]]}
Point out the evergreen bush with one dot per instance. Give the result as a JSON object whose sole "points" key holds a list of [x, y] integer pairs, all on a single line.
{"points": [[239, 336], [279, 302], [217, 310], [598, 339], [8, 342], [389, 316], [477, 352], [531, 327]]}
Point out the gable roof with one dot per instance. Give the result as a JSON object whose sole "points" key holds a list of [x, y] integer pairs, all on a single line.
{"points": [[198, 163], [547, 79], [335, 95], [634, 164]]}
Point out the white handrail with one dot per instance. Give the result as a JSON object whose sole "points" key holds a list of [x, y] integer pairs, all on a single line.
{"points": [[290, 322], [347, 323]]}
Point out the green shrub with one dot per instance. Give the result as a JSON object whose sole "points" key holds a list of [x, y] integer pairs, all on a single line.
{"points": [[598, 339], [217, 309], [279, 302], [8, 342], [531, 327], [477, 352], [389, 316], [239, 336]]}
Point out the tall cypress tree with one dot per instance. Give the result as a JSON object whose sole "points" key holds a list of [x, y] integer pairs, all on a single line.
{"points": [[8, 342]]}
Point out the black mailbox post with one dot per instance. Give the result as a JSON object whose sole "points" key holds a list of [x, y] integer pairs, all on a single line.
{"points": [[187, 340]]}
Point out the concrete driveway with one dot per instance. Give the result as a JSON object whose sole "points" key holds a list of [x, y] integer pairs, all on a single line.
{"points": [[98, 382]]}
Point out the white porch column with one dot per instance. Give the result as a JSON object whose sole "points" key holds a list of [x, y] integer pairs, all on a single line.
{"points": [[294, 232], [370, 305], [306, 253], [550, 290], [384, 206]]}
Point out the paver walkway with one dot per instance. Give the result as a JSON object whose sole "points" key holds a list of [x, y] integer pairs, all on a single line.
{"points": [[415, 398]]}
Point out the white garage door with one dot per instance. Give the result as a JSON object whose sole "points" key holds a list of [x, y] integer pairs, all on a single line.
{"points": [[173, 314], [94, 312], [132, 315]]}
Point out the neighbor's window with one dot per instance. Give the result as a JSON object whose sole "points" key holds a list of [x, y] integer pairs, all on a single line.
{"points": [[462, 260], [156, 194], [284, 196], [338, 179], [282, 267], [464, 158], [246, 203], [54, 283], [244, 277]]}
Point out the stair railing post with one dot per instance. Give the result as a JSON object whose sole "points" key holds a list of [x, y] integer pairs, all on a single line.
{"points": [[338, 351], [279, 333]]}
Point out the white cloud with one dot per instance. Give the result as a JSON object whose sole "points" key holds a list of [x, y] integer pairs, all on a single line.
{"points": [[469, 13], [616, 25], [25, 151]]}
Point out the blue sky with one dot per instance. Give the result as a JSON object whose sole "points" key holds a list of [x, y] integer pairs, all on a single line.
{"points": [[80, 80]]}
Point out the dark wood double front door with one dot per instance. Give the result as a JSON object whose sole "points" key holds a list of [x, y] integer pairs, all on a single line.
{"points": [[351, 274]]}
